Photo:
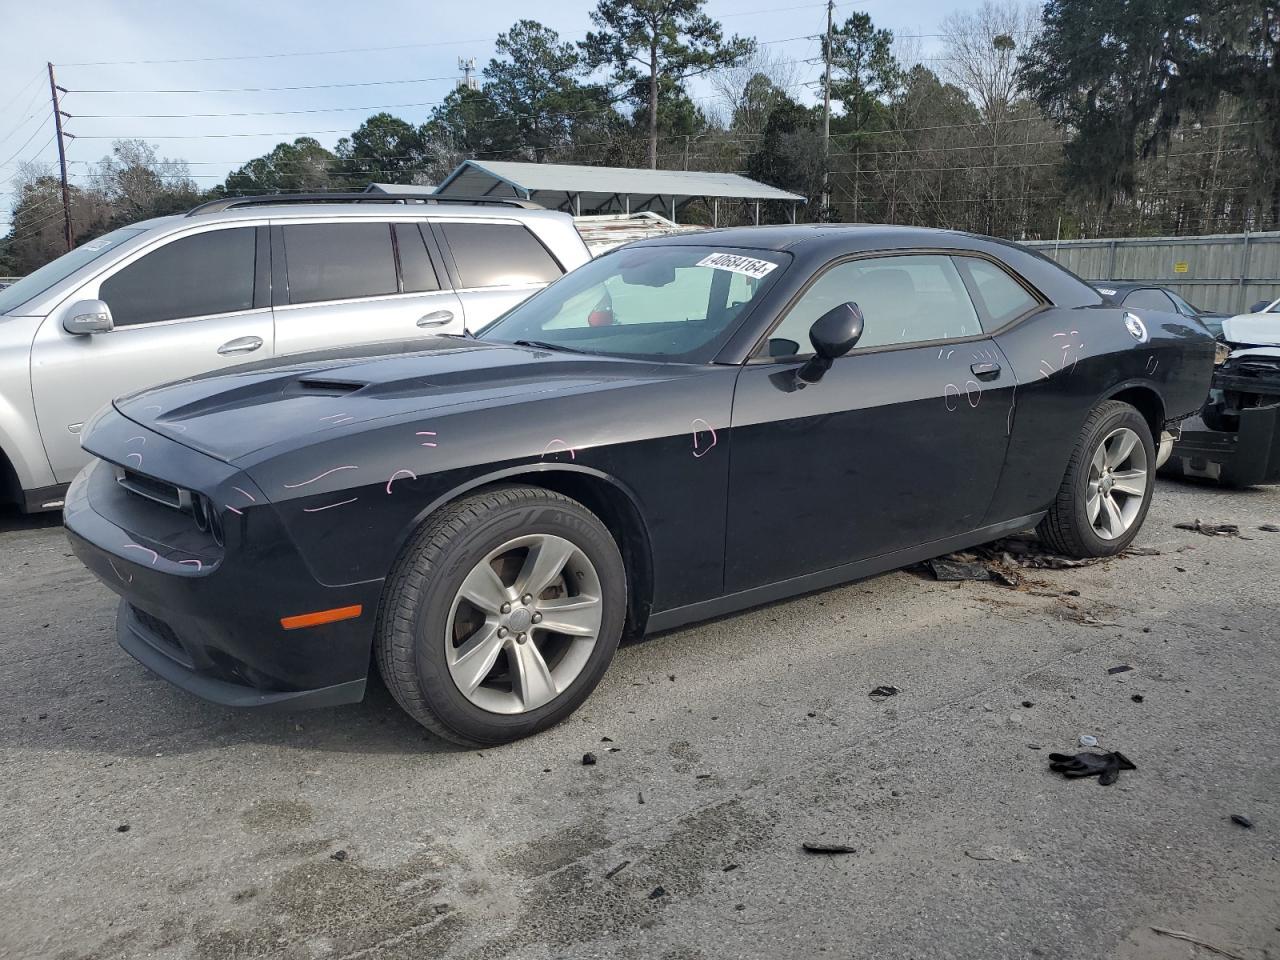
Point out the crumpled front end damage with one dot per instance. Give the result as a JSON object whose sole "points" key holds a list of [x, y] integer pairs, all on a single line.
{"points": [[1236, 437]]}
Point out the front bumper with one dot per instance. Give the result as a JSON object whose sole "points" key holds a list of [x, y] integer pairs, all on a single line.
{"points": [[1249, 456], [207, 617]]}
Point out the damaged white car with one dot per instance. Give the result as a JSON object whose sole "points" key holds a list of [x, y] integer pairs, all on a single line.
{"points": [[1236, 437]]}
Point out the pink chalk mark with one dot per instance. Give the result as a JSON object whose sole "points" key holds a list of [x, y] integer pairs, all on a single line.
{"points": [[333, 416], [426, 433], [400, 473], [252, 498], [303, 483], [238, 513], [706, 428], [198, 565], [340, 503], [143, 439], [137, 546], [138, 455]]}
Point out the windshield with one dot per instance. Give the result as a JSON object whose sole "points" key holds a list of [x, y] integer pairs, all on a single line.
{"points": [[672, 303], [37, 282]]}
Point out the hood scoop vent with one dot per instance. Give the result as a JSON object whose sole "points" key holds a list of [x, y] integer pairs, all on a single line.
{"points": [[318, 386]]}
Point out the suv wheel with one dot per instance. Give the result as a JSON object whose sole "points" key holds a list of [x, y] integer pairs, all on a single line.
{"points": [[501, 615], [1106, 492]]}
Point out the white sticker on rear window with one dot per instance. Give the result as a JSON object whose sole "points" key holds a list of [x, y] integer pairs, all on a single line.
{"points": [[748, 266]]}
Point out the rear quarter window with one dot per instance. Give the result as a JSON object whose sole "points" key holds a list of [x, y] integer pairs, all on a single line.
{"points": [[498, 255], [1001, 296]]}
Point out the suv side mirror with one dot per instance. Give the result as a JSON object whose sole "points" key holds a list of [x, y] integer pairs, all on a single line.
{"points": [[1260, 306], [833, 335], [85, 317]]}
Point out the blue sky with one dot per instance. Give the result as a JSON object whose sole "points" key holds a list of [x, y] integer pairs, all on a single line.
{"points": [[237, 44]]}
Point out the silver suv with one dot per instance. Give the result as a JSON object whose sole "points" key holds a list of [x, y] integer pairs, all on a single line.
{"points": [[244, 279]]}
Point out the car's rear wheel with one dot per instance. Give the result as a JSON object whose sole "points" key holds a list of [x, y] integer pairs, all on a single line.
{"points": [[1106, 492], [501, 615]]}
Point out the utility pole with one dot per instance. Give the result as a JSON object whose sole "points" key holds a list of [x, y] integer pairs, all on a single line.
{"points": [[468, 67], [826, 115], [62, 158]]}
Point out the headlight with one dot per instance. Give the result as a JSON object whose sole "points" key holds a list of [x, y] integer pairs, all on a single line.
{"points": [[1220, 353]]}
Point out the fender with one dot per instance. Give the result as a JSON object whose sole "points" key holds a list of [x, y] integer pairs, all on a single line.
{"points": [[496, 476]]}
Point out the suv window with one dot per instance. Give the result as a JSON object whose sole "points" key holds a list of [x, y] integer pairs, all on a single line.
{"points": [[904, 299], [1151, 300], [194, 276], [1002, 296], [498, 255], [416, 271], [339, 261]]}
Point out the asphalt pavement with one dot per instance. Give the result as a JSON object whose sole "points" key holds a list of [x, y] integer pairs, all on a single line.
{"points": [[140, 822]]}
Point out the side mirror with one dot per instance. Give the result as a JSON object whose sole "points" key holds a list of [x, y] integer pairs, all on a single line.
{"points": [[1260, 306], [85, 317], [833, 335]]}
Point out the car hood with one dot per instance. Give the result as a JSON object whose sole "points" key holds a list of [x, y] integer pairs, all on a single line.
{"points": [[294, 399], [1259, 329]]}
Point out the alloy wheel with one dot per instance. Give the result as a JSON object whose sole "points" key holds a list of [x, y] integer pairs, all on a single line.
{"points": [[523, 624], [1118, 483]]}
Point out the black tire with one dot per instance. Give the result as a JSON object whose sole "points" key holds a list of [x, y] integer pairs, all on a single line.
{"points": [[1066, 528], [409, 639]]}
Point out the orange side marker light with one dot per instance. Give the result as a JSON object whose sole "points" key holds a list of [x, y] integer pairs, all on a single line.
{"points": [[321, 617]]}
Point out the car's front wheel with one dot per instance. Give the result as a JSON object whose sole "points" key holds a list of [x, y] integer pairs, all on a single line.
{"points": [[1106, 492], [501, 615]]}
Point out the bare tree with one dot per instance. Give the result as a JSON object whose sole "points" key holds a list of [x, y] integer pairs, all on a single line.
{"points": [[982, 47], [739, 88]]}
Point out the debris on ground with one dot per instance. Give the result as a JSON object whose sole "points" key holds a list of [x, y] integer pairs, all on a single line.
{"points": [[339, 855], [1028, 704], [617, 870], [1005, 854], [657, 892], [952, 570], [1000, 561], [883, 692], [818, 846], [1210, 529], [1242, 820], [1269, 528], [729, 868], [1088, 740], [1105, 766], [588, 759], [1179, 935], [123, 828], [1122, 668], [640, 796], [1137, 698]]}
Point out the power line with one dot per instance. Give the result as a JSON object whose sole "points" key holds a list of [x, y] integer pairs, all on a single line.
{"points": [[305, 86]]}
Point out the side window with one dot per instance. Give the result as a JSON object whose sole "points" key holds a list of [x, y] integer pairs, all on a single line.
{"points": [[339, 261], [194, 276], [498, 255], [416, 271], [1151, 300], [1003, 297], [904, 299]]}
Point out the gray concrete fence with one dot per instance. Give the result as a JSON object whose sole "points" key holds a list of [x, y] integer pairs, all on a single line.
{"points": [[1226, 272]]}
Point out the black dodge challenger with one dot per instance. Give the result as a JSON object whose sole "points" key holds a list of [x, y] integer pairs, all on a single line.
{"points": [[680, 429]]}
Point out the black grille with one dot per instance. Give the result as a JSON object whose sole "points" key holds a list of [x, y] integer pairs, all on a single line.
{"points": [[159, 632], [151, 488]]}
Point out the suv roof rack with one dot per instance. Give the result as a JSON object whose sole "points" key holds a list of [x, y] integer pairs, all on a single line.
{"points": [[228, 203]]}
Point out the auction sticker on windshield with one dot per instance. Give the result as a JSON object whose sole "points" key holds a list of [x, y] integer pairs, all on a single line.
{"points": [[747, 266]]}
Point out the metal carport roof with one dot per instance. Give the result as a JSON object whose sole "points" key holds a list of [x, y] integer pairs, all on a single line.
{"points": [[584, 189]]}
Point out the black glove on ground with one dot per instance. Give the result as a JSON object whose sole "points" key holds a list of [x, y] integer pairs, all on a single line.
{"points": [[1105, 766]]}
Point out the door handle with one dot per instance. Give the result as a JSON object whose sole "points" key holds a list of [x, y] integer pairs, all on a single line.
{"points": [[436, 318], [240, 345], [985, 371]]}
